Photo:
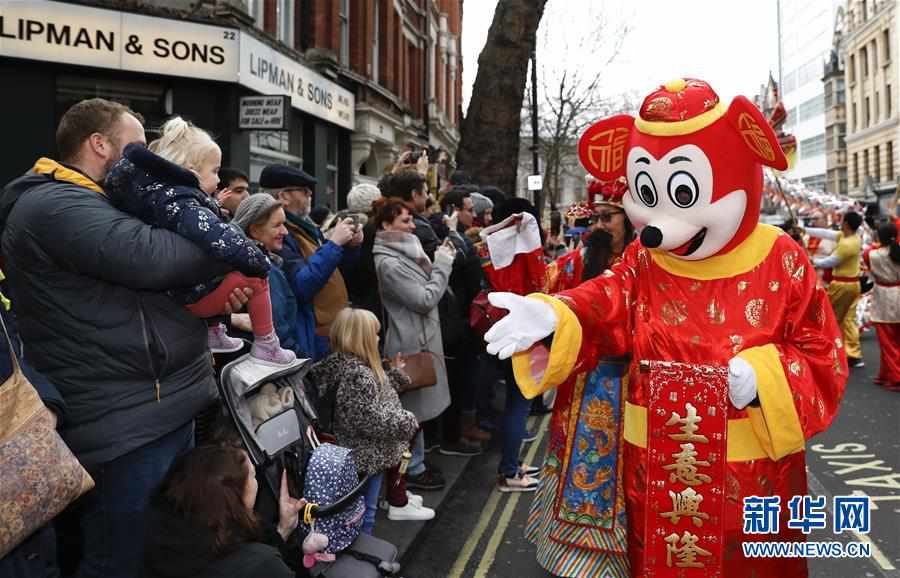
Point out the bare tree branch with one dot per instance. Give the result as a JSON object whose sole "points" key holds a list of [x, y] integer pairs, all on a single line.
{"points": [[573, 92]]}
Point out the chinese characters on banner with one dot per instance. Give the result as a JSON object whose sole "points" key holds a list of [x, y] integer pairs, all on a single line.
{"points": [[686, 426]]}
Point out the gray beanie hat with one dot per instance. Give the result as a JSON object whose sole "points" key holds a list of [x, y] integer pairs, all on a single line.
{"points": [[481, 203], [252, 208], [361, 197]]}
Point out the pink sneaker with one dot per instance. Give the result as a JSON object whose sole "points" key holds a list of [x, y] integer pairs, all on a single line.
{"points": [[268, 350], [221, 342]]}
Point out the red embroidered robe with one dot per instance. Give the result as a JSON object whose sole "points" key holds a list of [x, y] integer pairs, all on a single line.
{"points": [[759, 302]]}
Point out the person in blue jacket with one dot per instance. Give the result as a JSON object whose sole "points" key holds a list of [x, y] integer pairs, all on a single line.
{"points": [[263, 219], [311, 263]]}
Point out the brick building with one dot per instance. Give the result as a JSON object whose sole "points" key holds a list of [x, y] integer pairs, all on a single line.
{"points": [[364, 78], [401, 58]]}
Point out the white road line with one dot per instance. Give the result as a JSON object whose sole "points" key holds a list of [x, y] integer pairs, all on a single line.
{"points": [[490, 551], [883, 563]]}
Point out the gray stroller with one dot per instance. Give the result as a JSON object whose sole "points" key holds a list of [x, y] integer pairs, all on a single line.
{"points": [[270, 409]]}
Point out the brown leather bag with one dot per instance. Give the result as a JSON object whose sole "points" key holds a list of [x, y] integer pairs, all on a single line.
{"points": [[39, 475], [420, 369]]}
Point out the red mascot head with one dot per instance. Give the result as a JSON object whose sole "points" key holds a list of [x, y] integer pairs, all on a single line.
{"points": [[693, 167]]}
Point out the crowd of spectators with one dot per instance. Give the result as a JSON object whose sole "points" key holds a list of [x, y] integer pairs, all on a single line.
{"points": [[126, 264]]}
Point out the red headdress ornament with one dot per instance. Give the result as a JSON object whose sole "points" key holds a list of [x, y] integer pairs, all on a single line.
{"points": [[607, 192], [579, 211]]}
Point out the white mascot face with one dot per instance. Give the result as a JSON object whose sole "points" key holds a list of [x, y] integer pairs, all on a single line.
{"points": [[670, 201]]}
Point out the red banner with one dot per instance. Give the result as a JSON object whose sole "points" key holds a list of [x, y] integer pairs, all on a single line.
{"points": [[687, 420]]}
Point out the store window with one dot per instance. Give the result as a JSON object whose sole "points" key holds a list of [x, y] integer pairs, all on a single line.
{"points": [[344, 18], [268, 148], [812, 108], [877, 166], [886, 43], [331, 170], [256, 10], [149, 99], [376, 47], [284, 16], [890, 160], [812, 147]]}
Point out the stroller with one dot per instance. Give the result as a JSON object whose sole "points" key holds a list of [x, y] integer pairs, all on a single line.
{"points": [[277, 425]]}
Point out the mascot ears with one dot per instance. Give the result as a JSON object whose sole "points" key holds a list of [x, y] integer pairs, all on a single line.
{"points": [[757, 134], [602, 147]]}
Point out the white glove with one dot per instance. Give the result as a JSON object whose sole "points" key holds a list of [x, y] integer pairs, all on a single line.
{"points": [[528, 322], [741, 382]]}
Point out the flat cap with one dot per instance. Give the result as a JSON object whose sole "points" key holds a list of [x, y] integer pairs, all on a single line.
{"points": [[283, 176]]}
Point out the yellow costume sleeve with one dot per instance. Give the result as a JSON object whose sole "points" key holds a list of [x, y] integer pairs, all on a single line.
{"points": [[775, 422], [537, 369]]}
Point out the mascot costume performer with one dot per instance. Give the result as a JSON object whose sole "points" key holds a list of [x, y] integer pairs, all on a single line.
{"points": [[736, 356]]}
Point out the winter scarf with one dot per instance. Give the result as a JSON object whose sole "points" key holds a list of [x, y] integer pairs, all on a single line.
{"points": [[407, 244]]}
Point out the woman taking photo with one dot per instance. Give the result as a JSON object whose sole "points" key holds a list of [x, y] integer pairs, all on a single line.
{"points": [[201, 523], [411, 287], [368, 416]]}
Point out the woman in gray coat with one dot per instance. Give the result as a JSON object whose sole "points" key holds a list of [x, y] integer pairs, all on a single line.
{"points": [[411, 286]]}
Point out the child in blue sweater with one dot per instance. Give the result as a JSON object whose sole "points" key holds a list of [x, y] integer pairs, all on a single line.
{"points": [[170, 185]]}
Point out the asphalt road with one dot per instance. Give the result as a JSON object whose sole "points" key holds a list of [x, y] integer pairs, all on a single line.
{"points": [[479, 531]]}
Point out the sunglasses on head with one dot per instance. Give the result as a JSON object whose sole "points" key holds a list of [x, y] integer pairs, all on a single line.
{"points": [[606, 216]]}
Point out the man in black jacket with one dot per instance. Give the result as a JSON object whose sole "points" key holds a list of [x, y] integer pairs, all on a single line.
{"points": [[89, 284]]}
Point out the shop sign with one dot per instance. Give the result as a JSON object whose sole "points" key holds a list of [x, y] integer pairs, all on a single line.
{"points": [[267, 71], [264, 112], [86, 36]]}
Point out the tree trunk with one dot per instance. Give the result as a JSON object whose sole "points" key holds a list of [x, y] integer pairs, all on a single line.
{"points": [[489, 139]]}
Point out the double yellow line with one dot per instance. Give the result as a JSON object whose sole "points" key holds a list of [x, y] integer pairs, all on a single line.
{"points": [[490, 551]]}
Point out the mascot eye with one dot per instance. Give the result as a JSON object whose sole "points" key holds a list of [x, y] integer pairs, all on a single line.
{"points": [[645, 188], [683, 189]]}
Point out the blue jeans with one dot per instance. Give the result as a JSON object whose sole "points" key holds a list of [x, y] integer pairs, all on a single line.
{"points": [[373, 489], [417, 462], [112, 515], [515, 416]]}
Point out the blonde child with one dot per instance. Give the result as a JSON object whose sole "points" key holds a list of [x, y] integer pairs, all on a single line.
{"points": [[368, 416], [171, 186]]}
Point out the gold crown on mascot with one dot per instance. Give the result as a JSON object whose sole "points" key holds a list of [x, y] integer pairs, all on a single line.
{"points": [[693, 167]]}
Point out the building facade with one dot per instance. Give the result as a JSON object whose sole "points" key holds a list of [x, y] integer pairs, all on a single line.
{"points": [[805, 43], [404, 58], [382, 72], [836, 114], [871, 59]]}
